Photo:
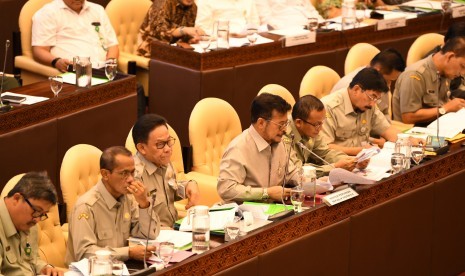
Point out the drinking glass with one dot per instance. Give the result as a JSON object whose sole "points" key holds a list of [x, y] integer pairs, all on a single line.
{"points": [[397, 162], [297, 198], [111, 70], [204, 41], [117, 267], [417, 152], [56, 84], [252, 33], [165, 252], [360, 14], [312, 23], [232, 230], [445, 5]]}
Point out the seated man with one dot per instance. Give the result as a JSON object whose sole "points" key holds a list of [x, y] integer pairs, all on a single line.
{"points": [[168, 21], [238, 12], [283, 14], [110, 212], [422, 91], [390, 64], [153, 167], [352, 114], [25, 205], [308, 115], [255, 163]]}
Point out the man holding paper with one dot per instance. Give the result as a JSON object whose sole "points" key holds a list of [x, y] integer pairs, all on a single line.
{"points": [[113, 210], [256, 163]]}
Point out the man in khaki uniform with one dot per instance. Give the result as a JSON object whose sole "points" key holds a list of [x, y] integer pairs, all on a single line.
{"points": [[422, 91], [254, 164], [308, 115], [25, 205], [153, 167], [352, 114], [113, 210]]}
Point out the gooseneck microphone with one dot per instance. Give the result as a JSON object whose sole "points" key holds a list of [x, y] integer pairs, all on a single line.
{"points": [[441, 147], [3, 107], [302, 146], [153, 195]]}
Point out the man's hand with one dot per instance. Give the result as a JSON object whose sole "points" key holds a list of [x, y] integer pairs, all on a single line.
{"points": [[49, 270], [276, 192], [363, 164], [138, 190], [454, 105], [62, 64], [347, 163], [137, 252], [192, 193]]}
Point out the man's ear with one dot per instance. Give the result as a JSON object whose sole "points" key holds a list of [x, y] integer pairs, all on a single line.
{"points": [[141, 148], [105, 173]]}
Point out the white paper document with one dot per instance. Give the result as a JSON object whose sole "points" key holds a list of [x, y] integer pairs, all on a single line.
{"points": [[218, 220], [427, 5], [450, 124], [82, 268], [29, 99], [71, 79]]}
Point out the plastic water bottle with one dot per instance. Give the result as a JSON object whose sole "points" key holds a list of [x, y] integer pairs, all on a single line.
{"points": [[200, 229], [403, 146]]}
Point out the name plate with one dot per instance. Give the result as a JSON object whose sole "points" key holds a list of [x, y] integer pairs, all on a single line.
{"points": [[340, 196], [300, 38], [458, 11], [386, 24]]}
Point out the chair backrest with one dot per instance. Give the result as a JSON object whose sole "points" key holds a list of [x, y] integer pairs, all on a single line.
{"points": [[52, 245], [25, 24], [212, 125], [359, 55], [176, 157], [318, 81], [279, 90], [80, 171], [422, 45], [126, 18]]}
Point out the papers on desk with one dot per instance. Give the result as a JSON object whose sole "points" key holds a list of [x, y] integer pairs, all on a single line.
{"points": [[450, 124], [427, 5], [367, 154], [29, 99], [234, 42], [82, 268], [379, 164], [218, 220], [71, 79], [181, 240]]}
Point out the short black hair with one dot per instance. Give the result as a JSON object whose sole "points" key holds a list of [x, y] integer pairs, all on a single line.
{"points": [[144, 125], [305, 105], [107, 159], [264, 104], [455, 30], [455, 45], [36, 185], [389, 60], [370, 79]]}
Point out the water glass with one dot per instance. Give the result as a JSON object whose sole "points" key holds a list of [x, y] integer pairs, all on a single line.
{"points": [[111, 69], [417, 152], [117, 267], [360, 14], [297, 198], [232, 230], [204, 41], [312, 24], [222, 32], [56, 84], [397, 162], [252, 33], [165, 252], [446, 5]]}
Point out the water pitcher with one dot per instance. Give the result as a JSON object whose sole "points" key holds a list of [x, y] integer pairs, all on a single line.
{"points": [[200, 229], [83, 71], [222, 32]]}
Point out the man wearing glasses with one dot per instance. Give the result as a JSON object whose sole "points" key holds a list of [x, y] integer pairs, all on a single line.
{"points": [[154, 169], [308, 116], [352, 114], [255, 164], [24, 206], [113, 210]]}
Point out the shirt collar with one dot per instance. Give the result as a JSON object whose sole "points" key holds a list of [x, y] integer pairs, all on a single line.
{"points": [[7, 223], [258, 139], [149, 166], [110, 201], [430, 64], [348, 108]]}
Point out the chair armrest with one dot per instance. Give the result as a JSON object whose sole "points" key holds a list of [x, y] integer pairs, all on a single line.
{"points": [[28, 64], [124, 58], [207, 186]]}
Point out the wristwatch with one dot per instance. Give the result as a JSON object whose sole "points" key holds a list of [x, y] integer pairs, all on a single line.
{"points": [[442, 110], [265, 194]]}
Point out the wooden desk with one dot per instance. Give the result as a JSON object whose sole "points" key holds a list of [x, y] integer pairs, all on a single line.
{"points": [[409, 224], [36, 137], [179, 78]]}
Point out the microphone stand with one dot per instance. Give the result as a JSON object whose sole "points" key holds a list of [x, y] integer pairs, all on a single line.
{"points": [[441, 148], [4, 108], [152, 204], [302, 146]]}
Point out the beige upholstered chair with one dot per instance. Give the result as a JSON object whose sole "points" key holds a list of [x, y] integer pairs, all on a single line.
{"points": [[126, 18], [31, 71], [422, 45], [279, 90], [212, 125], [52, 245], [359, 55], [80, 171], [318, 81]]}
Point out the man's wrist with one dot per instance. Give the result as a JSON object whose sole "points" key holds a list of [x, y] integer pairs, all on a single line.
{"points": [[54, 62], [181, 31], [265, 195], [144, 205]]}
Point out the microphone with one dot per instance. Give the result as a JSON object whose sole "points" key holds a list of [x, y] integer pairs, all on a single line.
{"points": [[440, 148], [286, 213], [4, 108], [302, 146], [153, 195]]}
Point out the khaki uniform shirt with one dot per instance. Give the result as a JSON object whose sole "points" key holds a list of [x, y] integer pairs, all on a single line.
{"points": [[345, 127], [163, 180], [99, 221], [249, 165], [300, 156], [13, 259], [418, 87]]}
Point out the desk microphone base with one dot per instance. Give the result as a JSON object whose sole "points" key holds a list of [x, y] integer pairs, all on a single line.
{"points": [[439, 151], [281, 215], [5, 108]]}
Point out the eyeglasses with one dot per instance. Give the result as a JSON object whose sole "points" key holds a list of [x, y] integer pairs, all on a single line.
{"points": [[372, 98], [317, 125], [282, 125], [37, 213], [170, 142], [125, 174]]}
